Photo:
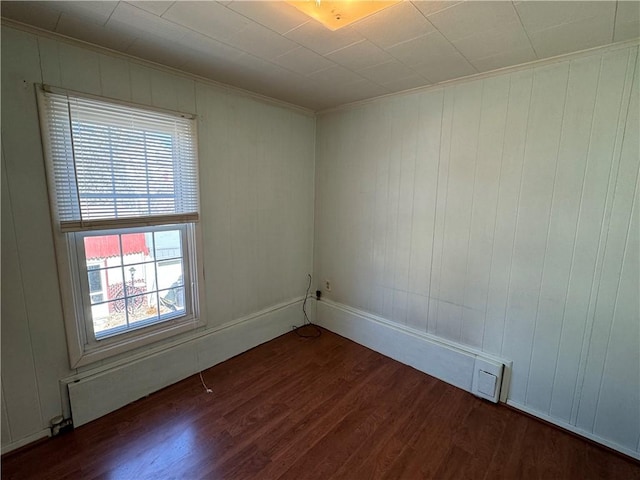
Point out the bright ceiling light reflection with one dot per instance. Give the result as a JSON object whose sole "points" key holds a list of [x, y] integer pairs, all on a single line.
{"points": [[335, 15]]}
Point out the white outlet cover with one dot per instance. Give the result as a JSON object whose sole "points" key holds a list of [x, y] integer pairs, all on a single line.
{"points": [[487, 383], [487, 379]]}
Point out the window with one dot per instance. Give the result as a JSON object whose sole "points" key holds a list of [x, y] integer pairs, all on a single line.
{"points": [[141, 289], [123, 185]]}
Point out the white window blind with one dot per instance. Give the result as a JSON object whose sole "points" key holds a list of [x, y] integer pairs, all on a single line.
{"points": [[112, 165]]}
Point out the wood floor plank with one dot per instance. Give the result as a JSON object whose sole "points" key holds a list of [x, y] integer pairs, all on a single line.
{"points": [[328, 416], [373, 458], [425, 451], [363, 420], [474, 442], [321, 408]]}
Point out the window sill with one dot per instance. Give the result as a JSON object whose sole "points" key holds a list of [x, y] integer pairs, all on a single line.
{"points": [[92, 354]]}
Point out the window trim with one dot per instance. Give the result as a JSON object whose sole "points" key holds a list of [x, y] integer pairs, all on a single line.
{"points": [[81, 351], [68, 271]]}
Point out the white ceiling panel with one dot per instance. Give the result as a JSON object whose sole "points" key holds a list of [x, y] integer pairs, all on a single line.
{"points": [[426, 48], [37, 14], [222, 73], [351, 93], [407, 83], [429, 7], [626, 31], [209, 18], [627, 25], [628, 11], [470, 18], [262, 42], [276, 82], [503, 59], [93, 33], [129, 18], [155, 7], [276, 16], [320, 40], [256, 65], [444, 68], [202, 47], [303, 61], [158, 50], [278, 78], [536, 16], [394, 25], [492, 42], [273, 49], [336, 75], [98, 12], [360, 55], [571, 37], [386, 73]]}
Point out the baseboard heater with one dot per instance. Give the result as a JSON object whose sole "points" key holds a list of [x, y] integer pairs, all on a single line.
{"points": [[476, 372], [103, 390]]}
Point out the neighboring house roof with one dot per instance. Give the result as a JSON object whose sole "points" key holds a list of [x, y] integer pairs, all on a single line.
{"points": [[109, 245]]}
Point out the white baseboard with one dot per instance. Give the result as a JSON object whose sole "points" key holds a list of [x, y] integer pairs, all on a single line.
{"points": [[95, 393], [574, 429], [450, 362], [25, 441]]}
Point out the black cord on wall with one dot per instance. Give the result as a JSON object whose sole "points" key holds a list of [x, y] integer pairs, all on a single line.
{"points": [[307, 323]]}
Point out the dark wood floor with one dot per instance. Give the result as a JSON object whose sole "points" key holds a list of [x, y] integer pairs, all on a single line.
{"points": [[319, 408]]}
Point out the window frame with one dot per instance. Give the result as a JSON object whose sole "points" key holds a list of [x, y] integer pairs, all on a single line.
{"points": [[82, 350], [116, 335]]}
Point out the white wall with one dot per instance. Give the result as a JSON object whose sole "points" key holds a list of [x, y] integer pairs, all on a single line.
{"points": [[502, 214], [256, 169]]}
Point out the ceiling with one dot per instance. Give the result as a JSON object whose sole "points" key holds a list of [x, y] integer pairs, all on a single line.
{"points": [[271, 48]]}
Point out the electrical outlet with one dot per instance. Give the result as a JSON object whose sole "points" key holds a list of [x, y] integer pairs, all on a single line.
{"points": [[327, 285], [60, 425]]}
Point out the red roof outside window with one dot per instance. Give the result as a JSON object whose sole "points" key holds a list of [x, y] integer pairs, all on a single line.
{"points": [[109, 245]]}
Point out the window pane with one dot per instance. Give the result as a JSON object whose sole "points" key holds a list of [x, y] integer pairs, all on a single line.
{"points": [[172, 301], [142, 308], [137, 247], [105, 284], [107, 316], [102, 250], [96, 283], [140, 278], [113, 281], [95, 279], [168, 244], [170, 274]]}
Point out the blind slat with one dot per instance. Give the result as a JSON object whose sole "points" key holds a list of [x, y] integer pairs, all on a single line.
{"points": [[116, 165]]}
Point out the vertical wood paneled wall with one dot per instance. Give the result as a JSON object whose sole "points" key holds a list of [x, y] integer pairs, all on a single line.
{"points": [[256, 170], [501, 213]]}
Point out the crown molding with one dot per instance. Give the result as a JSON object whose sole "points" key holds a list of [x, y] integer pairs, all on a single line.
{"points": [[493, 73]]}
